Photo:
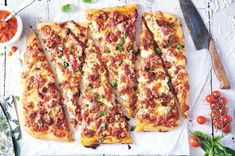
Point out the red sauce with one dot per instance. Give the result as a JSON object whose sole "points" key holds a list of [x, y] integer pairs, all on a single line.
{"points": [[7, 29]]}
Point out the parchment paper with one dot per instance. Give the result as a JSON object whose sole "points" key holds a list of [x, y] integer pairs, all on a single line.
{"points": [[174, 142]]}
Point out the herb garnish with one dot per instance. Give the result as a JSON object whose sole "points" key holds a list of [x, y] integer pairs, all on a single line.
{"points": [[169, 108], [159, 52], [147, 69], [120, 46], [132, 128], [102, 113], [101, 139], [21, 62], [108, 51], [211, 146], [125, 35], [89, 1], [65, 64], [114, 83], [99, 97], [180, 46], [67, 8], [17, 98], [169, 42], [104, 125]]}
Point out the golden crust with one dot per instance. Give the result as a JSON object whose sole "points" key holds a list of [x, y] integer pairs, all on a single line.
{"points": [[89, 141], [127, 9], [81, 23], [47, 136], [32, 39], [144, 125]]}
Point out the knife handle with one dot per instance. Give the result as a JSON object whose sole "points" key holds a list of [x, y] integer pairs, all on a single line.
{"points": [[218, 66]]}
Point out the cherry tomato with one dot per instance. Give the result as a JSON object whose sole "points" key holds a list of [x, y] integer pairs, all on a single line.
{"points": [[195, 141], [201, 120], [216, 94], [214, 106], [217, 124], [215, 115], [223, 111], [226, 119], [9, 53], [223, 100], [14, 49], [227, 128], [209, 98]]}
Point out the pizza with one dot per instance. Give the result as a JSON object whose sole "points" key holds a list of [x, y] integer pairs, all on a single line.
{"points": [[103, 121], [65, 43], [42, 111], [114, 31], [167, 31], [156, 107]]}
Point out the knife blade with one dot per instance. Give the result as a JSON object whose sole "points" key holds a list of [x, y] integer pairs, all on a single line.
{"points": [[202, 39]]}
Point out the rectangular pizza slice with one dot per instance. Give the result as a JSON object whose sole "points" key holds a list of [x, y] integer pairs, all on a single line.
{"points": [[114, 31], [103, 121], [42, 111], [65, 43], [156, 106], [167, 31]]}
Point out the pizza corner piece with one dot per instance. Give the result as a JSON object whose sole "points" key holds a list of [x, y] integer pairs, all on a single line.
{"points": [[42, 113], [156, 105], [103, 121], [168, 34]]}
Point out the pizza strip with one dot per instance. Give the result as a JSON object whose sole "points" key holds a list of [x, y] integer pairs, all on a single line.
{"points": [[103, 121], [114, 31], [42, 112], [167, 31], [65, 43], [156, 106]]}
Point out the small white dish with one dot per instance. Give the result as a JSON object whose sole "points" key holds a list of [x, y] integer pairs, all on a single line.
{"points": [[19, 31]]}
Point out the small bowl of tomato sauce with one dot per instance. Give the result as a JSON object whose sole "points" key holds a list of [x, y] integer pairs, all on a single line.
{"points": [[11, 30]]}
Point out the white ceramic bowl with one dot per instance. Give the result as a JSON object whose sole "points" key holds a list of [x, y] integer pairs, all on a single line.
{"points": [[16, 37]]}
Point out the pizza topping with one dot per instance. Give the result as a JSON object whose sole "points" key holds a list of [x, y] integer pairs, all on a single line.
{"points": [[101, 139], [159, 52], [120, 44], [114, 83], [101, 114], [180, 46]]}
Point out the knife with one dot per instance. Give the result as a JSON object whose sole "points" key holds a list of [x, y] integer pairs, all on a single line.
{"points": [[203, 40]]}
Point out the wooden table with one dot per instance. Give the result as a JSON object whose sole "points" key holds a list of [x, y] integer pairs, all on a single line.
{"points": [[202, 81]]}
